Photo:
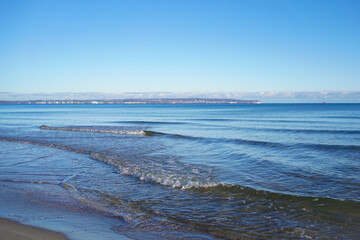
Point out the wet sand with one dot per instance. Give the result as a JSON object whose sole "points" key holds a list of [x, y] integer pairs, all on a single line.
{"points": [[36, 197], [10, 230], [28, 205]]}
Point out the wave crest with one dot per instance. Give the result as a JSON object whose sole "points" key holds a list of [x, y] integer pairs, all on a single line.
{"points": [[185, 178], [97, 129], [167, 173]]}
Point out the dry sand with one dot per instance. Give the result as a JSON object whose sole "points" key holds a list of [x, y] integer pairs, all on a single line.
{"points": [[10, 230]]}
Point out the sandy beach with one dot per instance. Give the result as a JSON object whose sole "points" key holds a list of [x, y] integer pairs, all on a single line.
{"points": [[27, 209], [10, 230]]}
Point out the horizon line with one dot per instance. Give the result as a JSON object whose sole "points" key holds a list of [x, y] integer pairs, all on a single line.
{"points": [[263, 96]]}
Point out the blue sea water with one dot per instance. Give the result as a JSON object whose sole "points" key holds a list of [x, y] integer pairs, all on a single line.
{"points": [[197, 171]]}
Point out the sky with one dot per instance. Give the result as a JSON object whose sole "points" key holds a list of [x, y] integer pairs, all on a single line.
{"points": [[263, 47]]}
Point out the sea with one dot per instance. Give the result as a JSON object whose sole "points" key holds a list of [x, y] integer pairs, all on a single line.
{"points": [[186, 171]]}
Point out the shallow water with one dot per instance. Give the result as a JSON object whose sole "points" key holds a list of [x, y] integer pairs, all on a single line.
{"points": [[282, 171]]}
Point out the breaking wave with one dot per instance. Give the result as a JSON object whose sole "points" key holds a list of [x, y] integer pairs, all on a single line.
{"points": [[177, 176], [172, 174], [97, 129]]}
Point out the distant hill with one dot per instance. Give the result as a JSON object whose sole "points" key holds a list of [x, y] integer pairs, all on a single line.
{"points": [[138, 101]]}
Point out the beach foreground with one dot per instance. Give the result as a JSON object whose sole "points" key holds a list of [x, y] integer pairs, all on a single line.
{"points": [[47, 207], [11, 230]]}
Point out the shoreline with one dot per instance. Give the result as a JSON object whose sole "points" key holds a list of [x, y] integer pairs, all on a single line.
{"points": [[29, 206], [28, 212], [12, 230]]}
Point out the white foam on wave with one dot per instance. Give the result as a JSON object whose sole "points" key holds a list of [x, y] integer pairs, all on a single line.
{"points": [[166, 177], [96, 130], [168, 173]]}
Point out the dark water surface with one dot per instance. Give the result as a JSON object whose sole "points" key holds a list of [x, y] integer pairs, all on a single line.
{"points": [[268, 171]]}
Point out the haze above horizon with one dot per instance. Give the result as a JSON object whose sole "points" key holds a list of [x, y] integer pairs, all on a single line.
{"points": [[181, 46]]}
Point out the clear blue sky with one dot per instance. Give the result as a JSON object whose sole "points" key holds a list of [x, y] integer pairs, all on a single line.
{"points": [[179, 45]]}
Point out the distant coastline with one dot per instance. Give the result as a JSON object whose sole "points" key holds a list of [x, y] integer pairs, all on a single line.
{"points": [[139, 101]]}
